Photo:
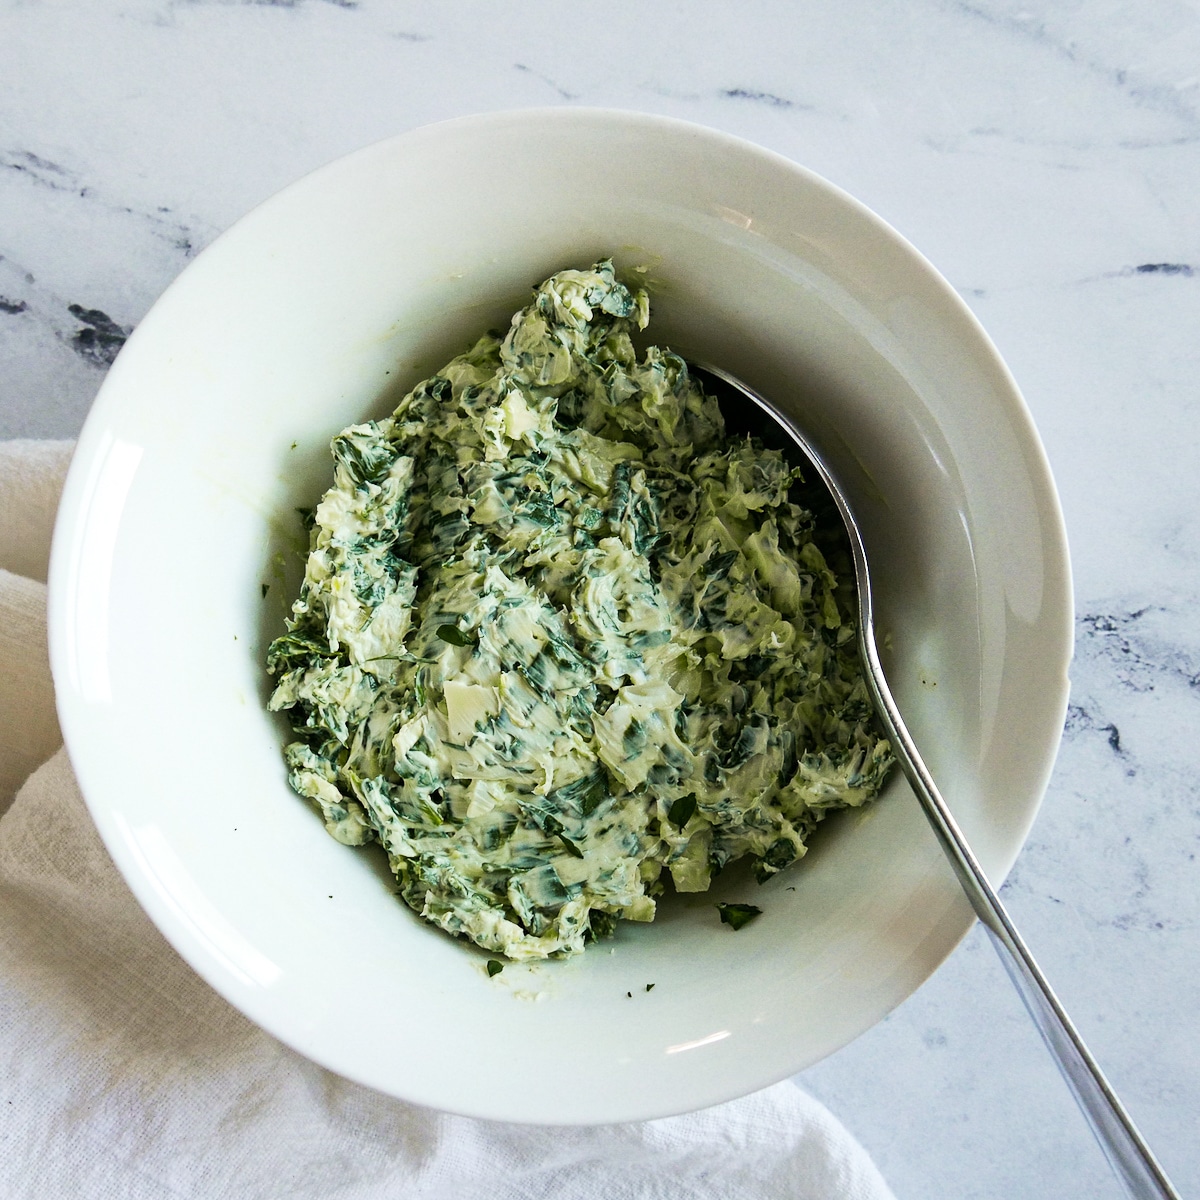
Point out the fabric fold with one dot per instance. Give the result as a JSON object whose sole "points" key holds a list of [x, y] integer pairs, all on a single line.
{"points": [[31, 480], [27, 716]]}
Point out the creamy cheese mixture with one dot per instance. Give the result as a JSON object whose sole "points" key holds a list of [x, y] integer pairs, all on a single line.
{"points": [[558, 634]]}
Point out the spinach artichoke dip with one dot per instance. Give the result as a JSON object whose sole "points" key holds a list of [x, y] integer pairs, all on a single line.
{"points": [[559, 637]]}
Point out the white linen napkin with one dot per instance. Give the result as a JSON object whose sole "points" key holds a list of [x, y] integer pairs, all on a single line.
{"points": [[122, 1075]]}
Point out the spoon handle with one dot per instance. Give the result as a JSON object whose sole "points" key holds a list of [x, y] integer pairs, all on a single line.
{"points": [[1127, 1152], [1130, 1157]]}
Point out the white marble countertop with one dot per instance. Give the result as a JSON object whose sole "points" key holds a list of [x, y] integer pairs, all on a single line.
{"points": [[1044, 154]]}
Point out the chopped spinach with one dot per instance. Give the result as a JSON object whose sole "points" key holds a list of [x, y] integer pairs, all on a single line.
{"points": [[737, 915], [659, 675], [682, 810]]}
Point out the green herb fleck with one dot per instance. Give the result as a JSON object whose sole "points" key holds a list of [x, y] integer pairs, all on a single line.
{"points": [[572, 848], [737, 915], [602, 924], [266, 587], [494, 967], [649, 987], [453, 635], [682, 810]]}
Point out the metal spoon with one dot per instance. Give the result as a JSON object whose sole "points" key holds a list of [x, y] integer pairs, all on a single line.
{"points": [[1127, 1152]]}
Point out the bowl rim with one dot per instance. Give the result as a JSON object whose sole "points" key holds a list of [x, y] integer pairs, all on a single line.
{"points": [[73, 716]]}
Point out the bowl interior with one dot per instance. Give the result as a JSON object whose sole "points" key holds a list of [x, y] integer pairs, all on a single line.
{"points": [[179, 548]]}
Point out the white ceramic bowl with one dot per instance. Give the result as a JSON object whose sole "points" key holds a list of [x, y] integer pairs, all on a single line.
{"points": [[320, 308]]}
